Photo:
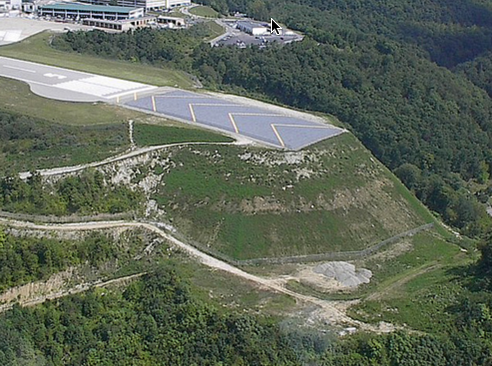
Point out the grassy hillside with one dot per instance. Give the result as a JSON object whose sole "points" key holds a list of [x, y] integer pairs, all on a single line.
{"points": [[204, 11], [157, 134], [247, 202], [37, 49]]}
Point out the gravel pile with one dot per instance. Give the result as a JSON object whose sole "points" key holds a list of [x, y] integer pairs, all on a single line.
{"points": [[345, 273]]}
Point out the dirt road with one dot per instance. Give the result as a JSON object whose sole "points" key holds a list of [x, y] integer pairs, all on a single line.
{"points": [[114, 159], [329, 312]]}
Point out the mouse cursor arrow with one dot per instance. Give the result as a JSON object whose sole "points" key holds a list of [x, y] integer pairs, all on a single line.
{"points": [[274, 27]]}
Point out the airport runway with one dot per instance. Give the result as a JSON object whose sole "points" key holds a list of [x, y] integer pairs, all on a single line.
{"points": [[270, 125], [68, 85]]}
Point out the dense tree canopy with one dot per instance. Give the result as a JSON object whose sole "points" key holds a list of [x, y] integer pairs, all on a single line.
{"points": [[85, 194]]}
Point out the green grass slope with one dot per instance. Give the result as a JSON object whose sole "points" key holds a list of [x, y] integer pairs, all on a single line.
{"points": [[204, 11], [248, 202]]}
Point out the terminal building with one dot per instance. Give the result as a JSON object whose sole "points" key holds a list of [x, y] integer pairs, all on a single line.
{"points": [[146, 4], [83, 11], [119, 25], [171, 22], [253, 28]]}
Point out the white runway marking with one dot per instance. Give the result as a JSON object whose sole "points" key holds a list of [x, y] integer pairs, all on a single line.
{"points": [[70, 84], [10, 35], [51, 75], [113, 83], [18, 68], [82, 86]]}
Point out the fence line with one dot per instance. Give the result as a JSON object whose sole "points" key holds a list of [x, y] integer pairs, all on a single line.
{"points": [[349, 255]]}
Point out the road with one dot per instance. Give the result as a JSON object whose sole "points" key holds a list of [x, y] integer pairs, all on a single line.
{"points": [[114, 159], [229, 31], [330, 313]]}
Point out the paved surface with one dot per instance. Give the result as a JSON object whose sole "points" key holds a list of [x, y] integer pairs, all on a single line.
{"points": [[272, 126], [63, 84], [16, 29], [267, 126], [235, 37]]}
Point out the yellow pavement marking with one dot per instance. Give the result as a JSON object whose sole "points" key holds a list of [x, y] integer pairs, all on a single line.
{"points": [[260, 114], [193, 117], [306, 126], [183, 97], [135, 96], [233, 122], [214, 105], [153, 104], [278, 135]]}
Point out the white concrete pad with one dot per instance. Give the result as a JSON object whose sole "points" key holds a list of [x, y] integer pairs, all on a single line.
{"points": [[82, 86], [63, 84]]}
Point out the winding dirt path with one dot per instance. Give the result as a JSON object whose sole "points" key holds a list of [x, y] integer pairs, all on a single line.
{"points": [[113, 159], [329, 312]]}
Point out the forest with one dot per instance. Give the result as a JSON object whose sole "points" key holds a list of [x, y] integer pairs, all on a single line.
{"points": [[84, 194], [27, 259], [159, 320], [408, 78]]}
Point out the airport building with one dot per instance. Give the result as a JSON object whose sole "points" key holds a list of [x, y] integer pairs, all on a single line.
{"points": [[119, 25], [256, 29], [146, 4], [82, 11], [10, 4], [172, 22]]}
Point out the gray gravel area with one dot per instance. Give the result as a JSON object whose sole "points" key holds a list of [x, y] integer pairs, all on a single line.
{"points": [[345, 273], [16, 29]]}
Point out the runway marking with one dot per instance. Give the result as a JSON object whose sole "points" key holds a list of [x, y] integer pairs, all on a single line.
{"points": [[44, 66], [19, 68], [192, 111], [259, 114], [231, 118], [214, 105], [127, 92], [193, 117], [153, 104], [278, 135], [305, 126], [59, 77], [182, 97]]}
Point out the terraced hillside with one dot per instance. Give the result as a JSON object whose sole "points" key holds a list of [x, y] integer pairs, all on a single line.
{"points": [[247, 202]]}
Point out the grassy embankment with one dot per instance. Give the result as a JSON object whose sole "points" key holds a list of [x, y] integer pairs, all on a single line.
{"points": [[204, 11], [247, 203], [215, 30], [155, 134]]}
